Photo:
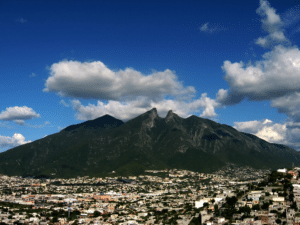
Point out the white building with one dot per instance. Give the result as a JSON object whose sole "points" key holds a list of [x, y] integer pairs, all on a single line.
{"points": [[199, 204], [282, 170]]}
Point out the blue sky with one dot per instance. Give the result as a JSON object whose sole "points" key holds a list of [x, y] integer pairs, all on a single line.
{"points": [[64, 62]]}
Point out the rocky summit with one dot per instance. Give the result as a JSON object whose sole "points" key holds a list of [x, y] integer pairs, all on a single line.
{"points": [[98, 147]]}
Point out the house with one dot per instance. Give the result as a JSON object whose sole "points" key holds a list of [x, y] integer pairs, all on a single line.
{"points": [[279, 200], [200, 203], [282, 170]]}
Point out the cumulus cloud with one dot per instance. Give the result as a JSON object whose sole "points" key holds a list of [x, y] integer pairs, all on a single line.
{"points": [[16, 140], [289, 105], [128, 92], [130, 109], [222, 95], [286, 133], [274, 76], [264, 129], [18, 114], [207, 28], [94, 80]]}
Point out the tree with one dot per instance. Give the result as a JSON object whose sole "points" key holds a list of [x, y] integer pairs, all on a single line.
{"points": [[294, 206], [231, 201], [265, 206], [54, 219], [96, 213], [245, 209], [256, 207], [195, 221], [217, 212]]}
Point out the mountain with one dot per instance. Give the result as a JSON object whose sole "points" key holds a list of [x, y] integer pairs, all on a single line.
{"points": [[98, 147]]}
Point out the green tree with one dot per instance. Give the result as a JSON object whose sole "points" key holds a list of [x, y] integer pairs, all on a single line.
{"points": [[195, 221], [96, 213], [231, 201], [265, 206], [217, 212], [54, 219], [256, 207]]}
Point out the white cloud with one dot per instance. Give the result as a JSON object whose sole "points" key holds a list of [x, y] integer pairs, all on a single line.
{"points": [[32, 75], [62, 102], [270, 18], [272, 23], [16, 140], [39, 126], [251, 127], [129, 93], [288, 104], [94, 80], [20, 122], [274, 134], [264, 129], [18, 114], [222, 95], [275, 76], [130, 109], [206, 28], [286, 133]]}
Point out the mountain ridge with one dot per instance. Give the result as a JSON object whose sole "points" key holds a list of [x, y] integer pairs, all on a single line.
{"points": [[106, 144]]}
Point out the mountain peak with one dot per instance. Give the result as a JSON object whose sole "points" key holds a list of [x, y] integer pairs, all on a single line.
{"points": [[152, 115], [153, 111], [170, 113], [171, 116], [106, 121]]}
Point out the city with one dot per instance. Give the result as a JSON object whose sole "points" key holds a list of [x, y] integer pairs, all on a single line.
{"points": [[233, 195]]}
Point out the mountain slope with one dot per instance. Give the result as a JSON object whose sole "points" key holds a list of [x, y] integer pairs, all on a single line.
{"points": [[106, 144]]}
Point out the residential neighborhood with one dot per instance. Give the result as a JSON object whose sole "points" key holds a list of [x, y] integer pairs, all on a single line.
{"points": [[233, 195]]}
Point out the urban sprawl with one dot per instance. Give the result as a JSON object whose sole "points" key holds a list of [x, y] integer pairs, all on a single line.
{"points": [[233, 195]]}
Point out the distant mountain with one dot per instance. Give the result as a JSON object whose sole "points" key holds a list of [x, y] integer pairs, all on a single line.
{"points": [[98, 147]]}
